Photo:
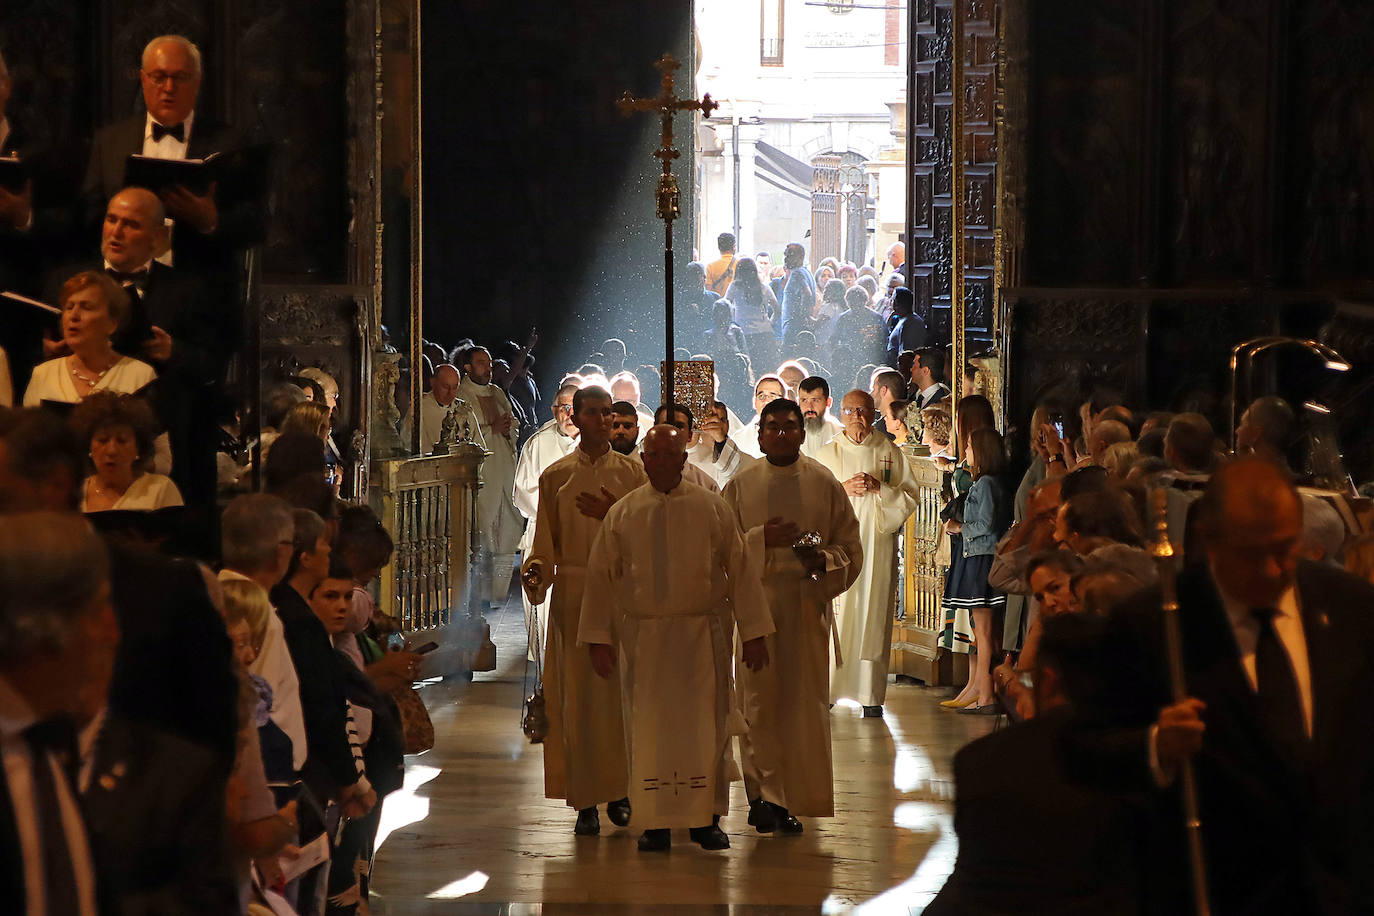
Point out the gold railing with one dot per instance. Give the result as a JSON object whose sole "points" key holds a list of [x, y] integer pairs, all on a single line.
{"points": [[915, 650], [427, 505]]}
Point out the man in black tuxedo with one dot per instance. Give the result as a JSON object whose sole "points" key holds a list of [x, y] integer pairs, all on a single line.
{"points": [[1034, 837], [1277, 655], [189, 342], [208, 231]]}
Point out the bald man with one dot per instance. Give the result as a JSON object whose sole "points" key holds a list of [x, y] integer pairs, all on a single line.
{"points": [[434, 407], [667, 584], [208, 229], [1277, 657], [883, 493], [178, 327]]}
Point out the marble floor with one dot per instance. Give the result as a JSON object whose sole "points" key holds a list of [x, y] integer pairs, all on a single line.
{"points": [[471, 833]]}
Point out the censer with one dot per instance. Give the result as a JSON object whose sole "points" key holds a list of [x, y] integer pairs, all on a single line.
{"points": [[535, 721]]}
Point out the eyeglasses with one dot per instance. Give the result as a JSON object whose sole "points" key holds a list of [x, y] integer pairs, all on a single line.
{"points": [[158, 77], [563, 408], [766, 396], [855, 411]]}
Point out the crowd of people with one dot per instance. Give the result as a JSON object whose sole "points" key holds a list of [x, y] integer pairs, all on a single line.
{"points": [[199, 700]]}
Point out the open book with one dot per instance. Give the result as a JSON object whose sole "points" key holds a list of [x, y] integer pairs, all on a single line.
{"points": [[244, 170]]}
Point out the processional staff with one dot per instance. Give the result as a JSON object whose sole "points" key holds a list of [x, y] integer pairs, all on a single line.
{"points": [[667, 104], [1163, 553]]}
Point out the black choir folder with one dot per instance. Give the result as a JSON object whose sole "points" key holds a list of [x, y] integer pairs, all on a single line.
{"points": [[14, 172], [241, 174]]}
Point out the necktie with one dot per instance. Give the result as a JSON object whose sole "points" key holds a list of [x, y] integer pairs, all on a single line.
{"points": [[176, 130], [57, 738], [1278, 687]]}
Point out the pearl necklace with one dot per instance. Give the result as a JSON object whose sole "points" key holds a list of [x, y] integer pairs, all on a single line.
{"points": [[76, 373]]}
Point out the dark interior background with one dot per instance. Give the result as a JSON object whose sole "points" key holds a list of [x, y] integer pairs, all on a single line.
{"points": [[539, 196]]}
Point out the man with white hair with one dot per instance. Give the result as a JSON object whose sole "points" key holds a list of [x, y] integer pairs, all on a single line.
{"points": [[554, 440], [883, 493], [258, 532], [206, 230], [435, 405]]}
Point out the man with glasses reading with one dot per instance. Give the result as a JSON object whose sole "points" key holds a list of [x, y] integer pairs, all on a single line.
{"points": [[206, 230], [883, 492], [802, 536]]}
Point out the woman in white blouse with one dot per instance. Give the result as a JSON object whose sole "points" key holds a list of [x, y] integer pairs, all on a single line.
{"points": [[94, 308], [119, 429]]}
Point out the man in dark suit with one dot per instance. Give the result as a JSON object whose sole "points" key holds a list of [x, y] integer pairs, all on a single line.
{"points": [[1034, 837], [191, 332], [57, 640], [1277, 655], [208, 231]]}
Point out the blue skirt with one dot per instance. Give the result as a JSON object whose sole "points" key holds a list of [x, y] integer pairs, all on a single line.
{"points": [[966, 588]]}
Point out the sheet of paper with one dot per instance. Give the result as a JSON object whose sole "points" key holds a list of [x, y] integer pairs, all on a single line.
{"points": [[311, 854]]}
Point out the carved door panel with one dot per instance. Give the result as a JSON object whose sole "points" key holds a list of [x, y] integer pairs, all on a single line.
{"points": [[825, 208]]}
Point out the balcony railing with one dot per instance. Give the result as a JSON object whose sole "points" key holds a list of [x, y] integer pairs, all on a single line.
{"points": [[924, 561]]}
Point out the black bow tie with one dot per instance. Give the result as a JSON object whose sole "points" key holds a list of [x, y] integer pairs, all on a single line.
{"points": [[176, 130], [133, 276], [56, 735]]}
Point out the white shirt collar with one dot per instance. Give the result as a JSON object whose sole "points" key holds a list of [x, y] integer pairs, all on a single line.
{"points": [[1239, 613], [150, 121], [930, 392], [147, 265], [15, 712]]}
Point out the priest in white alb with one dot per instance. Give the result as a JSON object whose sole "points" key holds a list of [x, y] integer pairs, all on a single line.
{"points": [[498, 522], [668, 582], [766, 390], [813, 397], [786, 752], [883, 492], [715, 453], [554, 439], [584, 752]]}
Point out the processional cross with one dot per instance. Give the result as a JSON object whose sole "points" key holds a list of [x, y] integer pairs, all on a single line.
{"points": [[667, 104]]}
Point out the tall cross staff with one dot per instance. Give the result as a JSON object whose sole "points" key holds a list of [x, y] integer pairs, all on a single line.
{"points": [[667, 104]]}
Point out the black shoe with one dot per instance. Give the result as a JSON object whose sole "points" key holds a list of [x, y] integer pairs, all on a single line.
{"points": [[711, 837], [619, 812], [658, 840], [761, 816], [588, 823], [785, 821], [873, 712]]}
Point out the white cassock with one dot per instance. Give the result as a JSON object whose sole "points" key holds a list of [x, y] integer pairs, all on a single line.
{"points": [[786, 753], [584, 753], [814, 443], [432, 423], [667, 582], [721, 466], [863, 614], [499, 523], [747, 438], [541, 450]]}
